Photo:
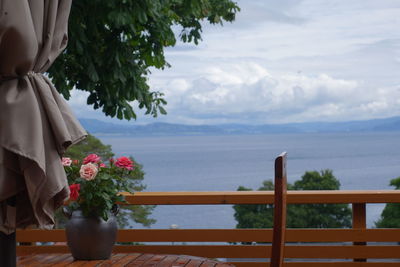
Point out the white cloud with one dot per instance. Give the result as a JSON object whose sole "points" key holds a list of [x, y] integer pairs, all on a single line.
{"points": [[288, 61], [231, 92]]}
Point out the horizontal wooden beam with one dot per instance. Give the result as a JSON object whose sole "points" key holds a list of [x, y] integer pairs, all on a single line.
{"points": [[226, 235], [263, 197], [243, 251], [258, 235]]}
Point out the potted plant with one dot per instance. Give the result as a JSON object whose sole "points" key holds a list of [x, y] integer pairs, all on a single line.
{"points": [[94, 193]]}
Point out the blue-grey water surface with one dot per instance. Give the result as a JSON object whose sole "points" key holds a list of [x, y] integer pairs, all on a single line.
{"points": [[222, 163]]}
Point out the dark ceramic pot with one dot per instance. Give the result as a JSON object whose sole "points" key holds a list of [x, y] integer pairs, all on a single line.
{"points": [[90, 238]]}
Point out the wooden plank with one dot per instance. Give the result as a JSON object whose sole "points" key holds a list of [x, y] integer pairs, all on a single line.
{"points": [[91, 263], [22, 250], [262, 197], [223, 265], [246, 251], [139, 261], [64, 262], [47, 259], [359, 216], [114, 258], [44, 260], [131, 249], [359, 222], [341, 264], [156, 259], [181, 261], [38, 235], [343, 252], [278, 237], [250, 264], [228, 251], [213, 251], [41, 260], [261, 235], [125, 260], [22, 258], [194, 263], [80, 263], [26, 260], [226, 235], [195, 235], [319, 264], [208, 264], [168, 260]]}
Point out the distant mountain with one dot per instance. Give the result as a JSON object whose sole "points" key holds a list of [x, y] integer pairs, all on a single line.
{"points": [[100, 127]]}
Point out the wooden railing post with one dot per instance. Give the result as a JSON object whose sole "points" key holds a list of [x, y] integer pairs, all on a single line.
{"points": [[359, 222], [278, 237]]}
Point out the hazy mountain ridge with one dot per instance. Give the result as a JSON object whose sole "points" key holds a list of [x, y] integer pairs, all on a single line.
{"points": [[100, 127]]}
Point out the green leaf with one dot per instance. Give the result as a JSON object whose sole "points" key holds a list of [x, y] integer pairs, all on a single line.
{"points": [[93, 73], [162, 110]]}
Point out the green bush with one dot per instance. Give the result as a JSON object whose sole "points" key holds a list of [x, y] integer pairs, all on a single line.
{"points": [[298, 215]]}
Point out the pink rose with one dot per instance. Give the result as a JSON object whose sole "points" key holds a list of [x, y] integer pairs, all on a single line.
{"points": [[88, 171], [66, 162], [124, 163], [74, 191], [92, 158], [102, 165]]}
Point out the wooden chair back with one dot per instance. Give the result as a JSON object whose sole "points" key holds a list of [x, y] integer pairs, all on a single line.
{"points": [[278, 238]]}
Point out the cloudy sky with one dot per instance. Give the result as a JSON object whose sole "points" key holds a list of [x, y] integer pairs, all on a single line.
{"points": [[284, 61]]}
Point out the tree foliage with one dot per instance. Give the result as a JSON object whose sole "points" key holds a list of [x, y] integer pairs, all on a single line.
{"points": [[318, 215], [113, 45], [390, 217], [136, 213], [90, 145], [255, 216], [298, 215]]}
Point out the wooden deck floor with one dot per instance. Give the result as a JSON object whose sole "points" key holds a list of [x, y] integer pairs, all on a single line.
{"points": [[121, 259]]}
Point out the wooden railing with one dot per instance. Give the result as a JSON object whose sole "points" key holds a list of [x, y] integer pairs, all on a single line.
{"points": [[336, 247]]}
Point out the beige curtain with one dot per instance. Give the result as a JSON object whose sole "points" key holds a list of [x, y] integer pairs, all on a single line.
{"points": [[36, 124]]}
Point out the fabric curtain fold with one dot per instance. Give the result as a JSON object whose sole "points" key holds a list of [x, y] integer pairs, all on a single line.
{"points": [[36, 124]]}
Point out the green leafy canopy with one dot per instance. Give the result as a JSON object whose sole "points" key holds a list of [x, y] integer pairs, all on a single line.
{"points": [[114, 44]]}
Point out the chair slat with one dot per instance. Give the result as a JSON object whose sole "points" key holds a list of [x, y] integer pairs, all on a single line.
{"points": [[278, 237]]}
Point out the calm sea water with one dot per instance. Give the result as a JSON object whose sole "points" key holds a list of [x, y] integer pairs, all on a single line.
{"points": [[223, 163]]}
